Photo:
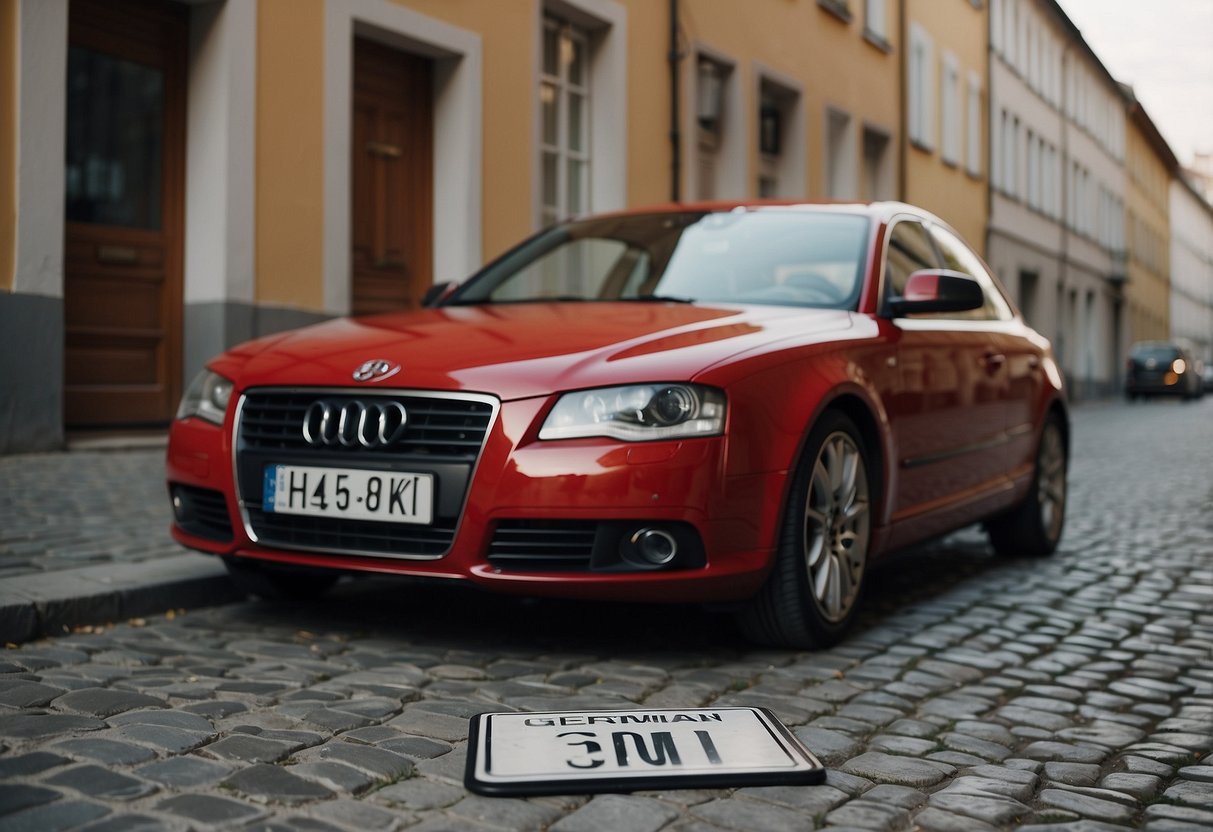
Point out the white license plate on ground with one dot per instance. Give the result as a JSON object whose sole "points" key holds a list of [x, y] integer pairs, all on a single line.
{"points": [[574, 752], [389, 496]]}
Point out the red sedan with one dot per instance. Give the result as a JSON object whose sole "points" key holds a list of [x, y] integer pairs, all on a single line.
{"points": [[742, 403]]}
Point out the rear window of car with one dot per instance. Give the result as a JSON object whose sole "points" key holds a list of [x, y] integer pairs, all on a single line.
{"points": [[1158, 352]]}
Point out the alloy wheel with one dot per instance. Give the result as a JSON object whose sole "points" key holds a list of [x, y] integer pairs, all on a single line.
{"points": [[1051, 481], [836, 526]]}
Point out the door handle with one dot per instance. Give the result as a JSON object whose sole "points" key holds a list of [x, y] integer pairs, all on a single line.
{"points": [[385, 150], [117, 255]]}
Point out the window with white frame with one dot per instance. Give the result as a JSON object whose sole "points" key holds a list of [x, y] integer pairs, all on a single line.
{"points": [[781, 140], [1010, 18], [875, 18], [922, 88], [949, 106], [1033, 172], [1006, 144], [877, 165], [564, 102], [840, 155], [996, 7], [712, 113], [1014, 156], [973, 133]]}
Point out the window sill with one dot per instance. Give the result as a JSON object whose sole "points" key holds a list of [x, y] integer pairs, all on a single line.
{"points": [[841, 9], [877, 40], [919, 144]]}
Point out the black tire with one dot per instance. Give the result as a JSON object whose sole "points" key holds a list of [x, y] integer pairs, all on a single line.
{"points": [[279, 583], [1034, 527], [821, 559]]}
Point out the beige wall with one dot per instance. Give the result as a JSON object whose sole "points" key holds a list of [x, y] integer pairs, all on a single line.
{"points": [[1148, 238], [797, 41], [949, 191], [290, 154], [509, 33], [648, 95], [801, 41], [8, 142]]}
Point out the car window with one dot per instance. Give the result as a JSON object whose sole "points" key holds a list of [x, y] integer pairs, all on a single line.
{"points": [[909, 251], [789, 258], [960, 258], [581, 268], [772, 258], [1158, 352]]}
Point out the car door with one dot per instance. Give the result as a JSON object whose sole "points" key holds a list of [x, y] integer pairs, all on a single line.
{"points": [[947, 419], [1011, 382]]}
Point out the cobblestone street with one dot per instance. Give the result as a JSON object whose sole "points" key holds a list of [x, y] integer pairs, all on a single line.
{"points": [[1074, 693]]}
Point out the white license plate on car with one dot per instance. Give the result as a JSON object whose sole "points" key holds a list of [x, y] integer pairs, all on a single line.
{"points": [[353, 493]]}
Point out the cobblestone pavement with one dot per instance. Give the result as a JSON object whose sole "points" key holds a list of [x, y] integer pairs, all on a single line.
{"points": [[84, 508], [1074, 693]]}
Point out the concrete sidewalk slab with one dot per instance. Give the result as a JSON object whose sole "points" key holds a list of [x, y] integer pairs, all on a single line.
{"points": [[52, 603]]}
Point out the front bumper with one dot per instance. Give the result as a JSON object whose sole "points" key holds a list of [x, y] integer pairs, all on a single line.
{"points": [[553, 518]]}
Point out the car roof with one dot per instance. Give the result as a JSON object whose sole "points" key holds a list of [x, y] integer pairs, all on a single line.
{"points": [[883, 210]]}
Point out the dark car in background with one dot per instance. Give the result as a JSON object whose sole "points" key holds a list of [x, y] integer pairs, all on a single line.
{"points": [[1162, 368]]}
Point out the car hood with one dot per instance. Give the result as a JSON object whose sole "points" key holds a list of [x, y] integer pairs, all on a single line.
{"points": [[517, 351]]}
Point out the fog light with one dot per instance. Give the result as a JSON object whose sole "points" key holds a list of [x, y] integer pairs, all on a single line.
{"points": [[181, 507], [655, 546]]}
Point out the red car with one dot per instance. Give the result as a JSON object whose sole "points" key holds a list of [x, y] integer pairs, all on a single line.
{"points": [[716, 403]]}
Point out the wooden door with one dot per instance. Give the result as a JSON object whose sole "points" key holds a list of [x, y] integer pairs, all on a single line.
{"points": [[392, 170], [124, 191]]}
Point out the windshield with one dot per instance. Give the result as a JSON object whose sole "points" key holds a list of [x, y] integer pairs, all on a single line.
{"points": [[790, 258]]}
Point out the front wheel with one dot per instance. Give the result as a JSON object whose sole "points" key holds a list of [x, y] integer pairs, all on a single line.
{"points": [[1033, 528], [821, 560]]}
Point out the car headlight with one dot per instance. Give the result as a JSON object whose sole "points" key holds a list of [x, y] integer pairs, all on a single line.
{"points": [[637, 413], [1178, 366], [206, 398]]}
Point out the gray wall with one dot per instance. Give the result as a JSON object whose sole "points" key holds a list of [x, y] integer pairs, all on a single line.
{"points": [[31, 373], [212, 327]]}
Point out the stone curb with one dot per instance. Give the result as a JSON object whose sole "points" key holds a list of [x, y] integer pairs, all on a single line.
{"points": [[52, 603]]}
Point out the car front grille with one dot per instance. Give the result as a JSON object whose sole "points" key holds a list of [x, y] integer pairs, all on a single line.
{"points": [[443, 437], [445, 428], [340, 535]]}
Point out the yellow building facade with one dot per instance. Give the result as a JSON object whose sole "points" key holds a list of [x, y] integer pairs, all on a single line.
{"points": [[945, 146], [1149, 167], [294, 160]]}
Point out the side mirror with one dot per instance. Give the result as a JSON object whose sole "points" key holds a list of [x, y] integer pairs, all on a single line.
{"points": [[436, 294], [937, 290]]}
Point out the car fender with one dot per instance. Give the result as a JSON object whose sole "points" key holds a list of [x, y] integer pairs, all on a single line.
{"points": [[775, 402]]}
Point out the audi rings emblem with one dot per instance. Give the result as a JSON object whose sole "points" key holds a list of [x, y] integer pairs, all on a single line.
{"points": [[354, 424], [377, 369]]}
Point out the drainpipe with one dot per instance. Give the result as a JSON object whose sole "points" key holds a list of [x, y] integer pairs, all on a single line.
{"points": [[990, 127], [675, 134], [1066, 185], [903, 145]]}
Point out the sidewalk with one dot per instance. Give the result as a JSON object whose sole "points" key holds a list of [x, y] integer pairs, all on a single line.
{"points": [[84, 540]]}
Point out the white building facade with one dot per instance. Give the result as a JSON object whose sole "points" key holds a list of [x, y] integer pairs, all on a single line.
{"points": [[1056, 233], [1191, 269]]}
